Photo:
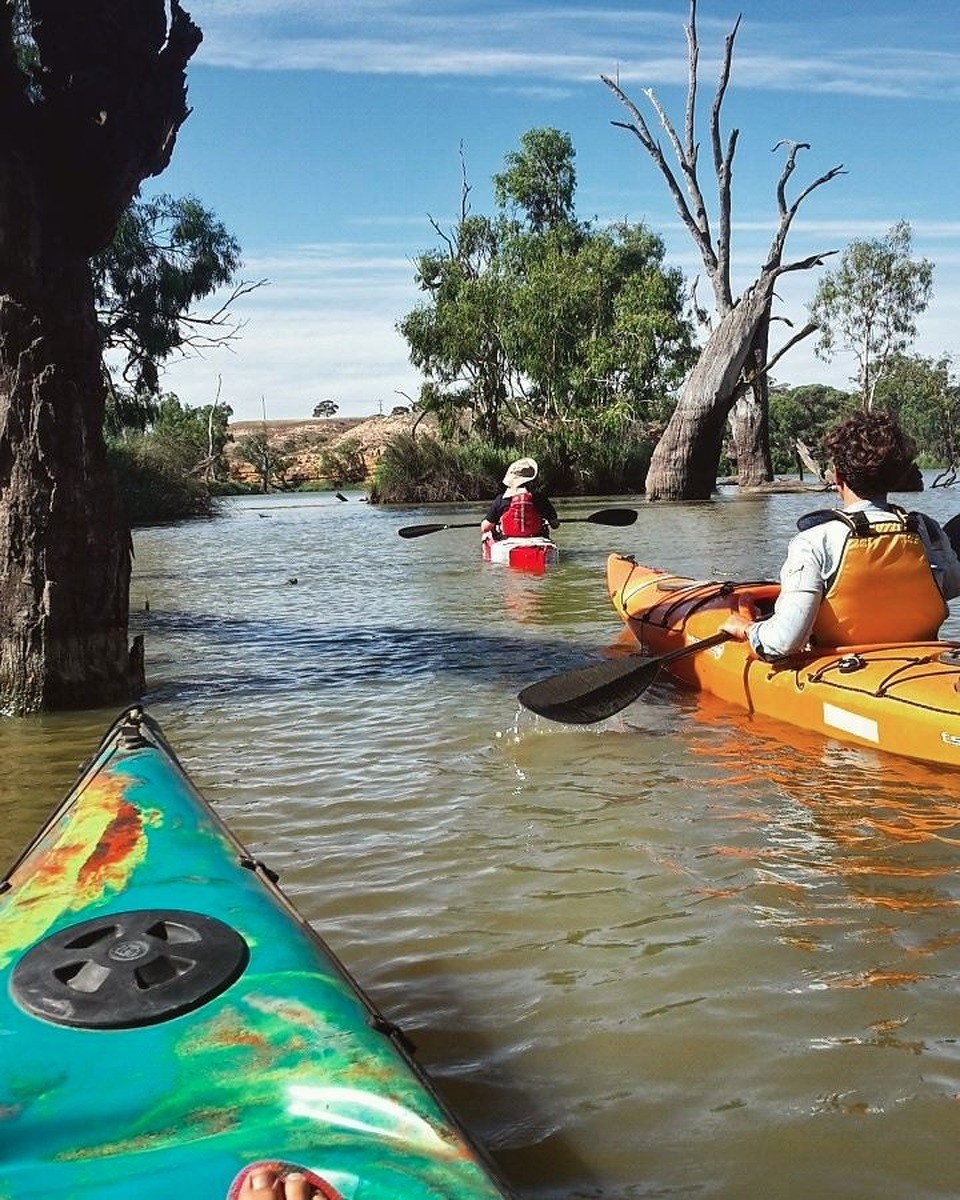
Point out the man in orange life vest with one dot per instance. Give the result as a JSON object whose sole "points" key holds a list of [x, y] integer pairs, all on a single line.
{"points": [[867, 572], [519, 511]]}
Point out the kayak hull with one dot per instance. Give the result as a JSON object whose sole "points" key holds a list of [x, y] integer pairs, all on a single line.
{"points": [[901, 698], [523, 554], [260, 1049]]}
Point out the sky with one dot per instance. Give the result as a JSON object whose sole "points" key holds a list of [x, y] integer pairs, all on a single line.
{"points": [[328, 135]]}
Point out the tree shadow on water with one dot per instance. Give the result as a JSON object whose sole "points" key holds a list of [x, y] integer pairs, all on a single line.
{"points": [[189, 652]]}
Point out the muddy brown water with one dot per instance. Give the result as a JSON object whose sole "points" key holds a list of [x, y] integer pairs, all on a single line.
{"points": [[680, 954]]}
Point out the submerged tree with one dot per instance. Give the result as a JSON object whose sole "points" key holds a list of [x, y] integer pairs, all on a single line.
{"points": [[730, 379], [92, 94]]}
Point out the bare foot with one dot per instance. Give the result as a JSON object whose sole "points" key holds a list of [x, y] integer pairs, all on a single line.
{"points": [[266, 1184]]}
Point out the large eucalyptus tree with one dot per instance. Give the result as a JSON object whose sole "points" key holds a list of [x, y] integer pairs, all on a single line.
{"points": [[92, 94]]}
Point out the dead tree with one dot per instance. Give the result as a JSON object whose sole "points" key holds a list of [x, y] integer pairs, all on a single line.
{"points": [[92, 93], [730, 380]]}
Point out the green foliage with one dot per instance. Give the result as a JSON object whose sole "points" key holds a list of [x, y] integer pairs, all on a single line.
{"points": [[806, 414], [870, 303], [537, 322], [456, 338], [539, 180], [271, 460], [598, 329], [166, 254], [172, 470], [326, 408], [194, 438], [343, 463], [423, 470], [315, 485], [152, 489], [128, 411], [925, 398]]}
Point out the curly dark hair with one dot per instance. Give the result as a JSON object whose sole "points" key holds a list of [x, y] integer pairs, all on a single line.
{"points": [[871, 454]]}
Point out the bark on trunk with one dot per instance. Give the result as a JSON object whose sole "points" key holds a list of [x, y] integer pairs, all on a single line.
{"points": [[684, 463], [98, 113], [749, 424], [64, 545]]}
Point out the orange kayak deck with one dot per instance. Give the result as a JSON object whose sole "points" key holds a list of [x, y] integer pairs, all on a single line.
{"points": [[900, 698]]}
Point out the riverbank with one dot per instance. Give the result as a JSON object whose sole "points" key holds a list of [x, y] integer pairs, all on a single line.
{"points": [[305, 443]]}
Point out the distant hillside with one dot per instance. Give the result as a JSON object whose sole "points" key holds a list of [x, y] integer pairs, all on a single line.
{"points": [[304, 441]]}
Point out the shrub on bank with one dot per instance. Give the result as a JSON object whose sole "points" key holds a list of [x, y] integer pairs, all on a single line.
{"points": [[422, 470], [154, 490]]}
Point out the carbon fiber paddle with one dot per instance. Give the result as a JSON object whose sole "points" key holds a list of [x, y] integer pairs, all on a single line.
{"points": [[589, 694]]}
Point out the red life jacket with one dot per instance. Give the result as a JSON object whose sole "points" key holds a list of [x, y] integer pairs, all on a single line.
{"points": [[521, 519]]}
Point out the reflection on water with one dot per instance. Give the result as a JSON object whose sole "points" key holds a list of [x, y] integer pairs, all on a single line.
{"points": [[681, 953]]}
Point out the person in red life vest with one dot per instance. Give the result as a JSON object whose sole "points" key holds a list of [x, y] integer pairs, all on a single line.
{"points": [[865, 573], [520, 510]]}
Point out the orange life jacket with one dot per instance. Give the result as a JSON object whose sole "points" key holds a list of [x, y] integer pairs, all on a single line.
{"points": [[521, 518], [883, 589]]}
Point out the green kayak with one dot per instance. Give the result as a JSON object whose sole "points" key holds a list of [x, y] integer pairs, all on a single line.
{"points": [[168, 1018]]}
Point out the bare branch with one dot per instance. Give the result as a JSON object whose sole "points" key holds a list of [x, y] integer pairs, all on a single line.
{"points": [[243, 288], [697, 225], [693, 59], [703, 317], [804, 264], [444, 237], [686, 165], [810, 327], [465, 188], [723, 168], [750, 377], [787, 171], [825, 178], [718, 160], [788, 212]]}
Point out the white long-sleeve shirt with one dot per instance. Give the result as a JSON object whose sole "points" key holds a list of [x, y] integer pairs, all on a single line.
{"points": [[812, 559]]}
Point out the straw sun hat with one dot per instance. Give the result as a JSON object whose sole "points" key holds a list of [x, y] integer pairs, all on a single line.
{"points": [[524, 470]]}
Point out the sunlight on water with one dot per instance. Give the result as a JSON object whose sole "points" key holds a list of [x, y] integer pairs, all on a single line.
{"points": [[680, 953]]}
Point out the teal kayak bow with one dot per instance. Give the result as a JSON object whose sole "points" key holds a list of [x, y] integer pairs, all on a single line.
{"points": [[168, 1017]]}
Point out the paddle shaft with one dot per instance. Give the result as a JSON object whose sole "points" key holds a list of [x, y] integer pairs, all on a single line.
{"points": [[605, 516]]}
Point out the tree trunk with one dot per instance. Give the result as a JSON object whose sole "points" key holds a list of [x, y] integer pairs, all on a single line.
{"points": [[92, 94], [64, 548], [749, 422], [684, 463]]}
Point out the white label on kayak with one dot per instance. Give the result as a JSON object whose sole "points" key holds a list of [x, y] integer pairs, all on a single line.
{"points": [[839, 718]]}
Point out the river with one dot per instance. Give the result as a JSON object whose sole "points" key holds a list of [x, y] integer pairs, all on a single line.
{"points": [[681, 953]]}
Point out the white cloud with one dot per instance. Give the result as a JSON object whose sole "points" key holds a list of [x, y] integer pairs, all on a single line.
{"points": [[323, 328], [534, 44]]}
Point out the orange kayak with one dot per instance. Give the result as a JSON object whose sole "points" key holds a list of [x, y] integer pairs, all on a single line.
{"points": [[900, 698]]}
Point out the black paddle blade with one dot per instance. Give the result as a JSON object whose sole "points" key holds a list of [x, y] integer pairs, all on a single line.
{"points": [[952, 530], [613, 516], [412, 531], [591, 694]]}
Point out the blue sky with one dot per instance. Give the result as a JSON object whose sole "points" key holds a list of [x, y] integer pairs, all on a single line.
{"points": [[326, 134]]}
